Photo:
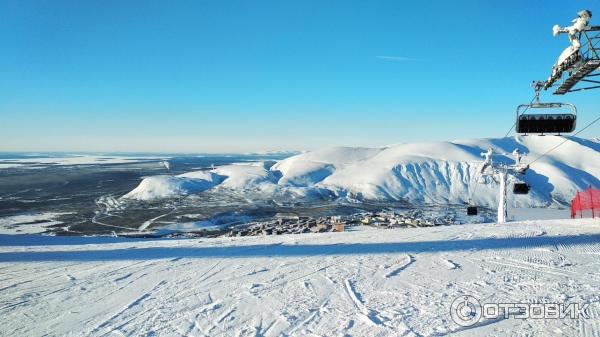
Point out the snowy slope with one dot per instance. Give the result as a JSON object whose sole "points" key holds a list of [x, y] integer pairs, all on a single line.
{"points": [[435, 172], [362, 283], [164, 186]]}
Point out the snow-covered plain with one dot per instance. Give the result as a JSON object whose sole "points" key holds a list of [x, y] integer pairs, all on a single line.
{"points": [[435, 172], [32, 223], [360, 283], [10, 165], [71, 159]]}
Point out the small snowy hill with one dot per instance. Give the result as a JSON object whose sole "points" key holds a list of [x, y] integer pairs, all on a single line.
{"points": [[434, 172]]}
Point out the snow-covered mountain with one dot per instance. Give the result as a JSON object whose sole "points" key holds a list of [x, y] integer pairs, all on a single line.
{"points": [[433, 172]]}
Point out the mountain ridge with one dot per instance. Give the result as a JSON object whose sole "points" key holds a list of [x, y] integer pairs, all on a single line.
{"points": [[425, 172]]}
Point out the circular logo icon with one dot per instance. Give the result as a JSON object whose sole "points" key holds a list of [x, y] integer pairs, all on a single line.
{"points": [[465, 310]]}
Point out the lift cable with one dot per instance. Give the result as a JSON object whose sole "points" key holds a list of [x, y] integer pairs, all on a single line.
{"points": [[507, 133], [526, 108], [564, 141], [472, 192]]}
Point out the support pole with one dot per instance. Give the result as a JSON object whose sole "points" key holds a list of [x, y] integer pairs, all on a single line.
{"points": [[579, 203], [592, 201], [502, 207]]}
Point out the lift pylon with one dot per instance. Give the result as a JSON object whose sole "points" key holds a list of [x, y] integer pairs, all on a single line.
{"points": [[501, 173]]}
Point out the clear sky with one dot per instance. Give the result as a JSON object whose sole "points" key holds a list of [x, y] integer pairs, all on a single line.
{"points": [[238, 76]]}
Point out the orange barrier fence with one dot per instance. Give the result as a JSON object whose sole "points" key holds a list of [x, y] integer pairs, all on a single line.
{"points": [[584, 201]]}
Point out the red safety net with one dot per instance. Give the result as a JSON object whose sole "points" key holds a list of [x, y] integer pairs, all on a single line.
{"points": [[586, 203]]}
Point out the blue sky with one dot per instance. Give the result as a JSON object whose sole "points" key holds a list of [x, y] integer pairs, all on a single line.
{"points": [[238, 76]]}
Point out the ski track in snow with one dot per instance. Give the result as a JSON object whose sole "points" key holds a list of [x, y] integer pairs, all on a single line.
{"points": [[402, 266], [373, 283], [451, 264], [367, 314]]}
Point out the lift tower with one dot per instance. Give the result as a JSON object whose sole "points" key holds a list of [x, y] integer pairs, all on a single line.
{"points": [[501, 173]]}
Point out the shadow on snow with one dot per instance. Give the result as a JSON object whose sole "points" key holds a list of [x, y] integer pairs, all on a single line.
{"points": [[282, 250]]}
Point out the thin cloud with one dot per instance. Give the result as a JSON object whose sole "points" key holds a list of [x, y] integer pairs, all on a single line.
{"points": [[396, 58]]}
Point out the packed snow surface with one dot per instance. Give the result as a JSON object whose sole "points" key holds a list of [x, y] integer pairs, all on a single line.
{"points": [[434, 172], [362, 283]]}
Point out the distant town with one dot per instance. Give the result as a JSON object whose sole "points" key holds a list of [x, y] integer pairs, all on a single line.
{"points": [[290, 223]]}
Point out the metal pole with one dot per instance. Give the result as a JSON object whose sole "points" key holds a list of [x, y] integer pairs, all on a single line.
{"points": [[592, 201], [579, 203], [502, 212]]}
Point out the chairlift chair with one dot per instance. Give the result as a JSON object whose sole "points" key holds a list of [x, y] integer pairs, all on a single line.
{"points": [[547, 120], [471, 210], [521, 188]]}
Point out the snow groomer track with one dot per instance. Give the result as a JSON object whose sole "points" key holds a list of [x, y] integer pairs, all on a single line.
{"points": [[361, 283]]}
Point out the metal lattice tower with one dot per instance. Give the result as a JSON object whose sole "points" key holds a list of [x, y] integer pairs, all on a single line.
{"points": [[581, 67]]}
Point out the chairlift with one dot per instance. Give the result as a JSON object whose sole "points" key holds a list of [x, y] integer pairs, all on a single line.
{"points": [[471, 210], [545, 119], [521, 188]]}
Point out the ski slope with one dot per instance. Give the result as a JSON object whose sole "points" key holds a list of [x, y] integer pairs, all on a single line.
{"points": [[361, 283], [434, 172]]}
